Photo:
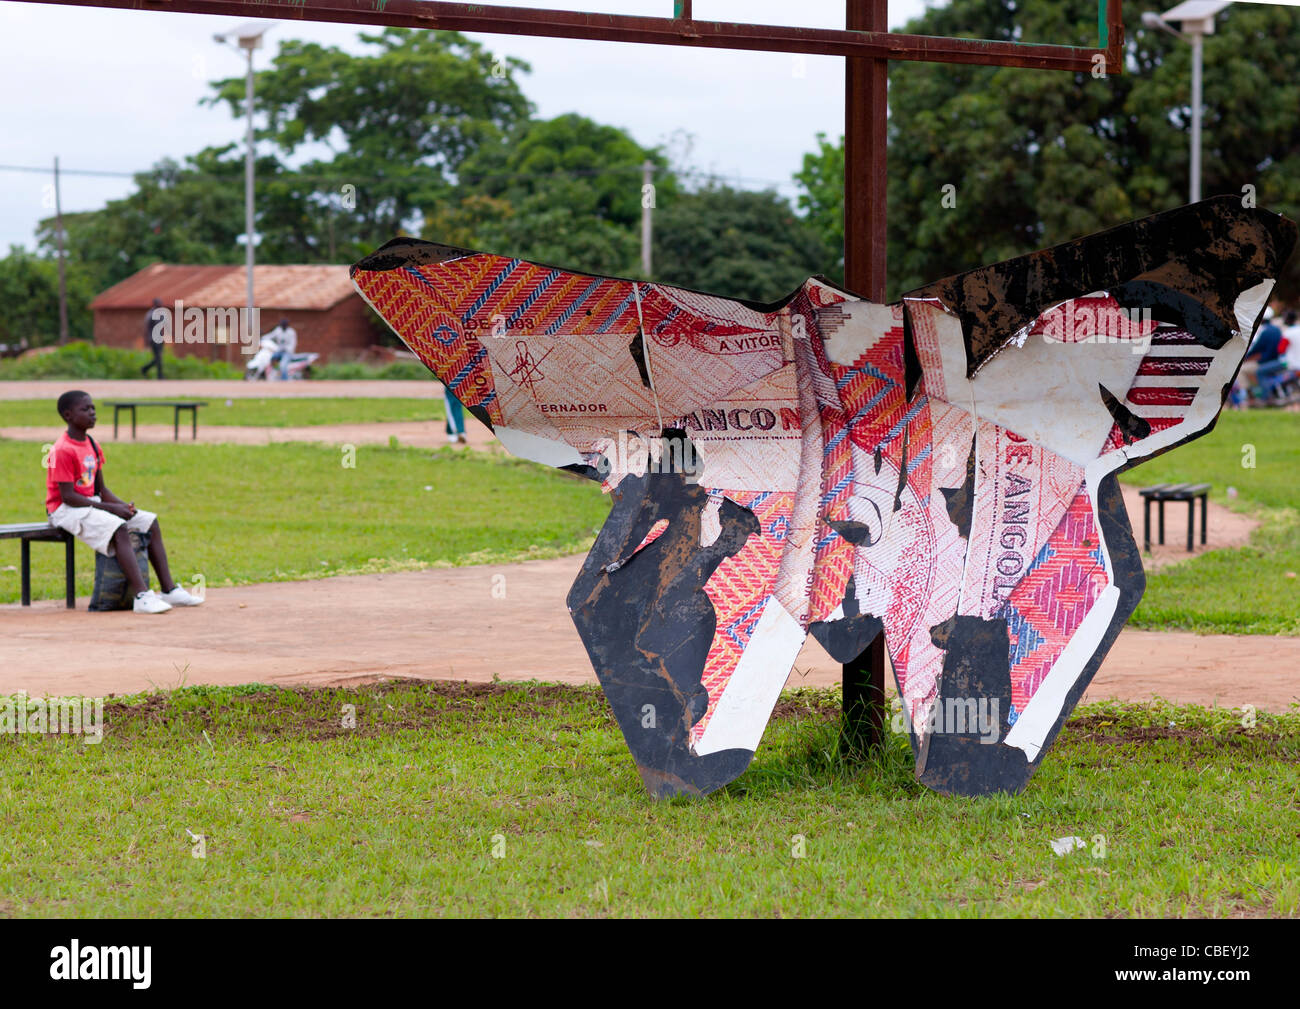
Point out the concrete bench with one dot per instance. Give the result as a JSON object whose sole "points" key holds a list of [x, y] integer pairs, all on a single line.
{"points": [[43, 531], [1161, 493]]}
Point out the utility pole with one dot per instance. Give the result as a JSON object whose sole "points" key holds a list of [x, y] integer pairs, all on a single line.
{"points": [[866, 84], [247, 37], [248, 196], [63, 270], [1197, 40], [647, 210]]}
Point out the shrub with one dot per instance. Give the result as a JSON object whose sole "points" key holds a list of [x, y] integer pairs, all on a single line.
{"points": [[394, 371], [80, 360]]}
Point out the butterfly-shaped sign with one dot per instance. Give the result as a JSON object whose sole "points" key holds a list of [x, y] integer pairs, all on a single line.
{"points": [[941, 470]]}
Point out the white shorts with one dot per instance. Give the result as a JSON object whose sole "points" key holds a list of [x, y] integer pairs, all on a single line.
{"points": [[95, 527]]}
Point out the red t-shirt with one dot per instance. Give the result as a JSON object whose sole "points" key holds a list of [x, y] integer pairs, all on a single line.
{"points": [[72, 461]]}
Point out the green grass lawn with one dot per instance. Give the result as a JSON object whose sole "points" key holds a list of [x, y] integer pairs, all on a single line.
{"points": [[239, 514], [1248, 590], [273, 412], [522, 800]]}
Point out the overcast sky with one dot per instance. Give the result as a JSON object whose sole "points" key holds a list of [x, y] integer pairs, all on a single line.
{"points": [[116, 90]]}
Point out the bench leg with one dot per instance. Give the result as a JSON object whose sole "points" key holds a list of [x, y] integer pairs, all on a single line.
{"points": [[176, 425], [1162, 523], [69, 570], [1146, 525], [27, 572], [1191, 525], [133, 423], [1204, 508], [116, 411]]}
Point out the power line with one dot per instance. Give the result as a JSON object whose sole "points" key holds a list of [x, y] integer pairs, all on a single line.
{"points": [[465, 180]]}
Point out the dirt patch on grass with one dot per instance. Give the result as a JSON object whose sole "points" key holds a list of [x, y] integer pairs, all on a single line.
{"points": [[375, 709], [1106, 730]]}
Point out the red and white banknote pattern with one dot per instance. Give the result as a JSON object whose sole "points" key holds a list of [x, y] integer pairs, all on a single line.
{"points": [[968, 497]]}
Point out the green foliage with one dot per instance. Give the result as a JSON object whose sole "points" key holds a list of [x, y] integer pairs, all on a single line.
{"points": [[80, 360], [565, 191], [401, 371], [401, 119], [822, 199], [189, 213], [734, 242], [29, 292], [1042, 157]]}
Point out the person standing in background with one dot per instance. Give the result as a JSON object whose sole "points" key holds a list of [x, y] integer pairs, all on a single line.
{"points": [[455, 418], [153, 320]]}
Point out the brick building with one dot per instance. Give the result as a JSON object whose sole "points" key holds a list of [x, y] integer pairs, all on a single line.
{"points": [[319, 302]]}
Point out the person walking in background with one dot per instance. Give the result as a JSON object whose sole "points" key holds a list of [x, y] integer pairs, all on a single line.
{"points": [[153, 320], [455, 418]]}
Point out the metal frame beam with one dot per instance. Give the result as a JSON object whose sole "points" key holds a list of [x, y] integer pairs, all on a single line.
{"points": [[680, 31]]}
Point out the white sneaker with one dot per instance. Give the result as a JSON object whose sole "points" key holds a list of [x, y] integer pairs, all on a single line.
{"points": [[179, 597], [150, 602]]}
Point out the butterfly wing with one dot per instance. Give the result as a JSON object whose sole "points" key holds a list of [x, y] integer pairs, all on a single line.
{"points": [[1067, 366], [691, 600]]}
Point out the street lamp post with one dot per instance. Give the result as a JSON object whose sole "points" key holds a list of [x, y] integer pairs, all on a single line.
{"points": [[1197, 19], [247, 37]]}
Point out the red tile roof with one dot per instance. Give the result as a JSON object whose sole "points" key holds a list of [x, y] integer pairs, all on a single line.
{"points": [[274, 287]]}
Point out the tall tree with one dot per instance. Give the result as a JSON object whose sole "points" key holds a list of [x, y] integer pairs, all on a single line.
{"points": [[399, 121], [1034, 158], [735, 242], [565, 190], [190, 213], [29, 291]]}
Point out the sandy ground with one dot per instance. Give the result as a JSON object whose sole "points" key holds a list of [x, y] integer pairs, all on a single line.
{"points": [[434, 624], [418, 434], [200, 389]]}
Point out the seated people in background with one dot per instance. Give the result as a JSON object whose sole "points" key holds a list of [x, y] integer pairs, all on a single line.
{"points": [[1291, 334], [287, 340], [78, 500], [1265, 349]]}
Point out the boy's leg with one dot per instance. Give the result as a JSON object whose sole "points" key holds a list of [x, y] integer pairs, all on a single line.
{"points": [[126, 561], [158, 557]]}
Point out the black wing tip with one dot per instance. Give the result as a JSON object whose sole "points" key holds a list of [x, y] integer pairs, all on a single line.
{"points": [[400, 252]]}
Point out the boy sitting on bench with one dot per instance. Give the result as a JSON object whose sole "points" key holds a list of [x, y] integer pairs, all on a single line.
{"points": [[78, 500]]}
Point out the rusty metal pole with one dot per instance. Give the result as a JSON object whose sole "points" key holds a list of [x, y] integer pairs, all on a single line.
{"points": [[866, 83]]}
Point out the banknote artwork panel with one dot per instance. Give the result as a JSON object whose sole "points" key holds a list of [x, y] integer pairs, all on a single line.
{"points": [[940, 470]]}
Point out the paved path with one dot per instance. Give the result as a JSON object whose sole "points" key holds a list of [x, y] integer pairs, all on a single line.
{"points": [[223, 389]]}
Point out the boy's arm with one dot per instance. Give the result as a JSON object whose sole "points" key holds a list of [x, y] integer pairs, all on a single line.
{"points": [[74, 500]]}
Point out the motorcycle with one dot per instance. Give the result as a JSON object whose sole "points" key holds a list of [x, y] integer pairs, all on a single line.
{"points": [[263, 364]]}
